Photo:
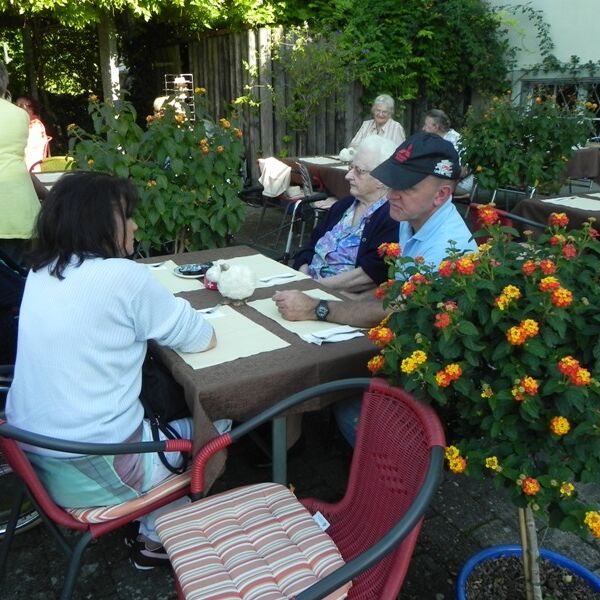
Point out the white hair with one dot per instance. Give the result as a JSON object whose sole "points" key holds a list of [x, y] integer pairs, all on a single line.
{"points": [[385, 100], [378, 149]]}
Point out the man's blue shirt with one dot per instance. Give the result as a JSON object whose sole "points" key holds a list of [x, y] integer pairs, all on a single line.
{"points": [[432, 240]]}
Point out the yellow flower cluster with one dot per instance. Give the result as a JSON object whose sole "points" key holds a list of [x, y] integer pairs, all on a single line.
{"points": [[491, 462], [592, 520], [413, 362], [486, 391], [567, 489], [560, 425], [510, 292]]}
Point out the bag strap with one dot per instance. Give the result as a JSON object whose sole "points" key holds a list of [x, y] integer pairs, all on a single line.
{"points": [[156, 424]]}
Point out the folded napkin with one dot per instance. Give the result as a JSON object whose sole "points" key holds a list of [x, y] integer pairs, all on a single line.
{"points": [[334, 334]]}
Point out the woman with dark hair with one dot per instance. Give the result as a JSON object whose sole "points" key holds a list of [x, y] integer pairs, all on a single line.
{"points": [[86, 316]]}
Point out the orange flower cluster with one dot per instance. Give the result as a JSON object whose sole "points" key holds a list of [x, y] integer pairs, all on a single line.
{"points": [[376, 363], [525, 385], [465, 265], [529, 267], [558, 219], [547, 266], [456, 462], [577, 374], [409, 287], [204, 146], [560, 425], [530, 486], [448, 374], [549, 284], [488, 215], [561, 297], [518, 334], [225, 123], [382, 336], [391, 249], [557, 240], [442, 320], [446, 268], [569, 251], [238, 132], [220, 149]]}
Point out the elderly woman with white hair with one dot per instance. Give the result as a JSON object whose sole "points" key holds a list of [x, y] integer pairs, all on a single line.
{"points": [[342, 253], [382, 123]]}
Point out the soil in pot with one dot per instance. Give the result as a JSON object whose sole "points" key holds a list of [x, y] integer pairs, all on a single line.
{"points": [[502, 579]]}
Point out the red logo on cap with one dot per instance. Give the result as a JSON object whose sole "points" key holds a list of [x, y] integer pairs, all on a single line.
{"points": [[404, 154]]}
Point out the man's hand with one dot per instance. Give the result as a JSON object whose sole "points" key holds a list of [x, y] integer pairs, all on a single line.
{"points": [[295, 306]]}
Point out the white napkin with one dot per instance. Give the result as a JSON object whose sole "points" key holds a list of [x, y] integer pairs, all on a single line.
{"points": [[334, 334]]}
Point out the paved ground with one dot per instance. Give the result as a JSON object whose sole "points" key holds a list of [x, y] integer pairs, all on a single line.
{"points": [[464, 517]]}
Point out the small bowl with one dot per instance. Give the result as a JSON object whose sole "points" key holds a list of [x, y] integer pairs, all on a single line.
{"points": [[194, 269]]}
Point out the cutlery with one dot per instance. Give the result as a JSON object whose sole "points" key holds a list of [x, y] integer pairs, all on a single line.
{"points": [[155, 265], [328, 336], [273, 277], [208, 311]]}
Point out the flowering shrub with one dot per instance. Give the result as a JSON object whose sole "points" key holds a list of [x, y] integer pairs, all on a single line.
{"points": [[187, 171], [506, 342], [510, 145]]}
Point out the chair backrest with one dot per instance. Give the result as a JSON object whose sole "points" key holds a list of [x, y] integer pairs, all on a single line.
{"points": [[307, 180], [22, 467], [395, 437], [54, 163]]}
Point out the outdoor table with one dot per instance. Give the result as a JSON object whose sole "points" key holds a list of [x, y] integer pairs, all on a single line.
{"points": [[49, 178], [578, 207], [330, 171], [585, 163], [244, 387]]}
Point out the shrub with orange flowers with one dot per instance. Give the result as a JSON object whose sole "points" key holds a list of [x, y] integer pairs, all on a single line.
{"points": [[186, 167], [506, 343]]}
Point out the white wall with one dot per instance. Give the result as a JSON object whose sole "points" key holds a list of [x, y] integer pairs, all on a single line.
{"points": [[574, 29]]}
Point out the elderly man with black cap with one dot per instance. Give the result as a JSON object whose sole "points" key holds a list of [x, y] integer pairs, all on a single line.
{"points": [[421, 174]]}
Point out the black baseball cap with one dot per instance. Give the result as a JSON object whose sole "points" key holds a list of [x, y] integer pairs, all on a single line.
{"points": [[422, 154]]}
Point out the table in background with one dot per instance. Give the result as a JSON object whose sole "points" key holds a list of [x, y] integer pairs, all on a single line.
{"points": [[585, 163], [49, 178], [242, 388], [330, 171], [539, 209]]}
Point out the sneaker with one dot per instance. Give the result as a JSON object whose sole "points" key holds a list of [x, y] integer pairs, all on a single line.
{"points": [[147, 554], [130, 533]]}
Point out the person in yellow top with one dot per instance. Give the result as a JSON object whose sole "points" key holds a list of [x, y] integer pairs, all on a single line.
{"points": [[19, 191]]}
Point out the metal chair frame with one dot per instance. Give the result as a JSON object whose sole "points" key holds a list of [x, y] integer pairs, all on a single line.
{"points": [[395, 544], [54, 515]]}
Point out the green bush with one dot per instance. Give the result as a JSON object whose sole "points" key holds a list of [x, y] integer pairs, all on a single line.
{"points": [[186, 167]]}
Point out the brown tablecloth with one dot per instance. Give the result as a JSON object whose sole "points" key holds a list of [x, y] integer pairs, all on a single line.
{"points": [[242, 388], [538, 210], [330, 175], [585, 163]]}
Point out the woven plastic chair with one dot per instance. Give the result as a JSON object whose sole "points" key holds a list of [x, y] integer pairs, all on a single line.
{"points": [[92, 522], [259, 541]]}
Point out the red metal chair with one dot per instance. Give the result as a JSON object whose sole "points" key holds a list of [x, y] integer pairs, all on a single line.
{"points": [[90, 522], [260, 537]]}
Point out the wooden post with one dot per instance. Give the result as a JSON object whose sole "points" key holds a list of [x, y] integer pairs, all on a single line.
{"points": [[531, 554]]}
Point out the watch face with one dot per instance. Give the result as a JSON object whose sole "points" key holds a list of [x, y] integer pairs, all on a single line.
{"points": [[322, 310]]}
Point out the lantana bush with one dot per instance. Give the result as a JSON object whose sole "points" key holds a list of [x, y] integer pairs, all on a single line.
{"points": [[505, 342], [186, 167]]}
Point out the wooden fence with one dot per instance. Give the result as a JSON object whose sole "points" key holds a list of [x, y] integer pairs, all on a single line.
{"points": [[227, 63]]}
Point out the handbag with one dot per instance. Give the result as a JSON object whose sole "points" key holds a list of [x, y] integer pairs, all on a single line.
{"points": [[163, 401]]}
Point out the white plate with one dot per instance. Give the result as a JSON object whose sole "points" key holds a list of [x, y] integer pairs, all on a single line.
{"points": [[179, 274]]}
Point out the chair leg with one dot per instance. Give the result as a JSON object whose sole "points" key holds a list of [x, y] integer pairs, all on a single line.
{"points": [[74, 565], [10, 530]]}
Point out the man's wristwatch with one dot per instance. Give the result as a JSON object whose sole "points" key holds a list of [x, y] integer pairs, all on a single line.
{"points": [[322, 310]]}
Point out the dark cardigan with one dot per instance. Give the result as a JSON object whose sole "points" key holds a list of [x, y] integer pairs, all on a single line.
{"points": [[379, 228]]}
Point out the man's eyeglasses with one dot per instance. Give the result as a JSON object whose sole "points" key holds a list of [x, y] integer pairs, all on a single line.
{"points": [[358, 171]]}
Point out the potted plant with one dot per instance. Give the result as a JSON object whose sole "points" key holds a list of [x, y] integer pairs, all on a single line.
{"points": [[506, 343], [186, 167], [515, 146]]}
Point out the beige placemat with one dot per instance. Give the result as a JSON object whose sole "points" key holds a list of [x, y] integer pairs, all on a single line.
{"points": [[268, 308], [265, 267], [237, 337], [164, 274], [575, 202], [316, 160]]}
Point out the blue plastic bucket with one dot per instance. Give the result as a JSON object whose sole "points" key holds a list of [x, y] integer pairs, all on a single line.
{"points": [[513, 550]]}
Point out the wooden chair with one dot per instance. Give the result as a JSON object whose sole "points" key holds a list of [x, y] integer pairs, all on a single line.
{"points": [[92, 522], [260, 538]]}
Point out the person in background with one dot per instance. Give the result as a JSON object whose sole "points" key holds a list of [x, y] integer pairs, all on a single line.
{"points": [[20, 191], [342, 252], [85, 320], [437, 121], [38, 141], [382, 123]]}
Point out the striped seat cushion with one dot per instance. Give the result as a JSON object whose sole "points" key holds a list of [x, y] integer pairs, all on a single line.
{"points": [[100, 514], [252, 543]]}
